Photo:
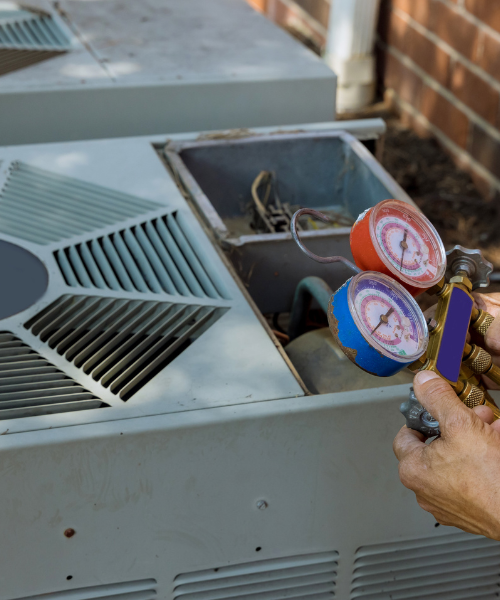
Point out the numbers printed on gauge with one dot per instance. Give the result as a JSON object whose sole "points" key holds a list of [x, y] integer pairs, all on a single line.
{"points": [[395, 238], [387, 316], [402, 241]]}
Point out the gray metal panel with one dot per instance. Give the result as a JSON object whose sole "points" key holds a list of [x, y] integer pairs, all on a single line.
{"points": [[154, 498], [90, 113], [131, 72], [220, 367]]}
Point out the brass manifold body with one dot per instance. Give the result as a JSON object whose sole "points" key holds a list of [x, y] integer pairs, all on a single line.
{"points": [[475, 360]]}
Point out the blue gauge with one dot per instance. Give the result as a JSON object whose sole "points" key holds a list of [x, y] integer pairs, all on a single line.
{"points": [[377, 324]]}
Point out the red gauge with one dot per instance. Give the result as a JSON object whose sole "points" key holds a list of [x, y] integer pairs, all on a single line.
{"points": [[395, 238]]}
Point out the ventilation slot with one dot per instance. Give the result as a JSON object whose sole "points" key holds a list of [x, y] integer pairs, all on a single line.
{"points": [[43, 207], [31, 386], [309, 577], [27, 38], [132, 590], [452, 567], [158, 256], [121, 343]]}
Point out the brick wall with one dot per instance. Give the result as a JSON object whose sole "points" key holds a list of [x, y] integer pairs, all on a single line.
{"points": [[440, 61], [306, 19]]}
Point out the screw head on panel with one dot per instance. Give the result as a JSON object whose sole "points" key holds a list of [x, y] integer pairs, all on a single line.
{"points": [[262, 504]]}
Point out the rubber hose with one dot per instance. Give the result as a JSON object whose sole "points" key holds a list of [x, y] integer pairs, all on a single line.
{"points": [[307, 289]]}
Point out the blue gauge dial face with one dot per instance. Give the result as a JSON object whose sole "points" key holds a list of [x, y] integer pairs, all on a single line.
{"points": [[387, 318]]}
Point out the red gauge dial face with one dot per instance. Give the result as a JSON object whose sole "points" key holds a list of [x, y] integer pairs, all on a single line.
{"points": [[408, 245]]}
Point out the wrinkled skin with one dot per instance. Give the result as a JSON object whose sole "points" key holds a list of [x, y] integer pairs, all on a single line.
{"points": [[457, 476]]}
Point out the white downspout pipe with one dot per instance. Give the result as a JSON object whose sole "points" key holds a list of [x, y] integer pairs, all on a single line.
{"points": [[349, 51]]}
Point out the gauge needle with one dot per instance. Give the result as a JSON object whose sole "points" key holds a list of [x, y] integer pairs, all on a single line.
{"points": [[403, 245], [383, 319]]}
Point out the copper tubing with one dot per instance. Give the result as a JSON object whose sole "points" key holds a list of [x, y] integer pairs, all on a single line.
{"points": [[320, 259]]}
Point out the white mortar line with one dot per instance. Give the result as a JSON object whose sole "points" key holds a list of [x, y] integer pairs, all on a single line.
{"points": [[432, 83], [486, 77], [461, 10], [463, 156], [316, 26]]}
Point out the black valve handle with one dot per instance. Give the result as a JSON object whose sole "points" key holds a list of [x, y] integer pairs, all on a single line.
{"points": [[418, 418]]}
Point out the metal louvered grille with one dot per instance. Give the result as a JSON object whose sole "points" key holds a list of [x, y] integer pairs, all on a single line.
{"points": [[60, 207], [451, 567], [157, 256], [131, 590], [121, 343], [31, 386], [27, 38], [12, 60], [309, 577], [24, 30]]}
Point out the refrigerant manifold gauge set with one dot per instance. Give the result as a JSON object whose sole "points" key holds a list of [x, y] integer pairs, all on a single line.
{"points": [[379, 326]]}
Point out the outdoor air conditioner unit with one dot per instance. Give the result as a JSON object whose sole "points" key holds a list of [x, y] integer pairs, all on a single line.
{"points": [[137, 68], [156, 443]]}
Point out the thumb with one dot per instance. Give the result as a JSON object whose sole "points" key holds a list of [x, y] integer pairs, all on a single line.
{"points": [[438, 397]]}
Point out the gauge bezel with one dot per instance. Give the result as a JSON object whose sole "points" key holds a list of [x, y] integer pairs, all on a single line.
{"points": [[406, 296], [427, 227]]}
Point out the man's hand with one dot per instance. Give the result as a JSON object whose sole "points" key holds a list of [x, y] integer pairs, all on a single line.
{"points": [[457, 476]]}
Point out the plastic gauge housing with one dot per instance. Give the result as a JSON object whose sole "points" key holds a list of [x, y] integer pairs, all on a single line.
{"points": [[396, 239], [377, 324]]}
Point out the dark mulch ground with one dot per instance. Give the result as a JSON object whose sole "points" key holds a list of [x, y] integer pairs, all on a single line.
{"points": [[445, 193]]}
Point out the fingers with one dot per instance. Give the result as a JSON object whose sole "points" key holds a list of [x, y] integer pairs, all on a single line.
{"points": [[484, 413], [492, 337], [488, 302], [438, 397], [491, 304], [407, 441], [409, 448], [491, 385]]}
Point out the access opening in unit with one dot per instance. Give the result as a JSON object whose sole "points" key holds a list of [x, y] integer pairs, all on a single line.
{"points": [[246, 190]]}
